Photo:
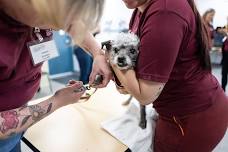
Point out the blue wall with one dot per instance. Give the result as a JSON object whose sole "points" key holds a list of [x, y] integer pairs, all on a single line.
{"points": [[63, 63]]}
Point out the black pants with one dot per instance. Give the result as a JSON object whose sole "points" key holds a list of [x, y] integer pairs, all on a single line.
{"points": [[224, 70]]}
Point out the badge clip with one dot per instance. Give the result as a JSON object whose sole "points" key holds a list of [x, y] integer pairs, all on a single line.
{"points": [[38, 35]]}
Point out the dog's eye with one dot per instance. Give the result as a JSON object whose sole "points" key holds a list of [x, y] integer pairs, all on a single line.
{"points": [[116, 50], [132, 51]]}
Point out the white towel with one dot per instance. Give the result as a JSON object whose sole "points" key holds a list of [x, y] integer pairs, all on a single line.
{"points": [[126, 129]]}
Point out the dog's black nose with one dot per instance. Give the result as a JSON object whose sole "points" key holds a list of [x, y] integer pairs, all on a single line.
{"points": [[121, 59]]}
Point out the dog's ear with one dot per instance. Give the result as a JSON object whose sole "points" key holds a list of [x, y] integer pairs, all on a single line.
{"points": [[107, 44]]}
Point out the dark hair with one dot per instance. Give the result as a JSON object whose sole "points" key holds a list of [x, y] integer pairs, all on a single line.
{"points": [[202, 38], [211, 10]]}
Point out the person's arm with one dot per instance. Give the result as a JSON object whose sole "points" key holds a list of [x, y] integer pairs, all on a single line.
{"points": [[144, 91], [90, 44], [100, 65], [18, 120]]}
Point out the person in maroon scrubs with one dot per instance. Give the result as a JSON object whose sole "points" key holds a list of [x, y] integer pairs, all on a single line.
{"points": [[174, 73], [20, 78], [208, 18]]}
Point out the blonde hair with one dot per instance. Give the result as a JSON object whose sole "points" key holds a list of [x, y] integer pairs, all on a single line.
{"points": [[84, 14]]}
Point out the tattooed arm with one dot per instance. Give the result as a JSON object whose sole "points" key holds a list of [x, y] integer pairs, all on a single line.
{"points": [[144, 91], [18, 120]]}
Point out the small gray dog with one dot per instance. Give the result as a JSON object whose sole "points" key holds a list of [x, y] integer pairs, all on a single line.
{"points": [[123, 52]]}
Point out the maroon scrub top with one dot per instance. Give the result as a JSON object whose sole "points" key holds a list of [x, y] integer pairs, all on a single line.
{"points": [[225, 45], [169, 54], [19, 78]]}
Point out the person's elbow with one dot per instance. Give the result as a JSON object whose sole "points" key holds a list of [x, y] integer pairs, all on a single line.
{"points": [[149, 91], [146, 100]]}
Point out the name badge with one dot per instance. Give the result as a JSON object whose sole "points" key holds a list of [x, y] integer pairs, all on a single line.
{"points": [[43, 51]]}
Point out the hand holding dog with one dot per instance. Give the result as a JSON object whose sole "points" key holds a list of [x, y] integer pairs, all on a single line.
{"points": [[121, 89], [100, 67]]}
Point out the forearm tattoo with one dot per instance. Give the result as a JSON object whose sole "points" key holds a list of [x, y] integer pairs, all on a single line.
{"points": [[10, 120], [36, 112]]}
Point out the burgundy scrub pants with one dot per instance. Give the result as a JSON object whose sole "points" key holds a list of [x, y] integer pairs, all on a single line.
{"points": [[199, 132]]}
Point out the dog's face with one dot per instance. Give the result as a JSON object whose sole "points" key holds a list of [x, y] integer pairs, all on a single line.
{"points": [[123, 51]]}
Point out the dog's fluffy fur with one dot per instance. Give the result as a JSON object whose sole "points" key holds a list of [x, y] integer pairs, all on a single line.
{"points": [[123, 52]]}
